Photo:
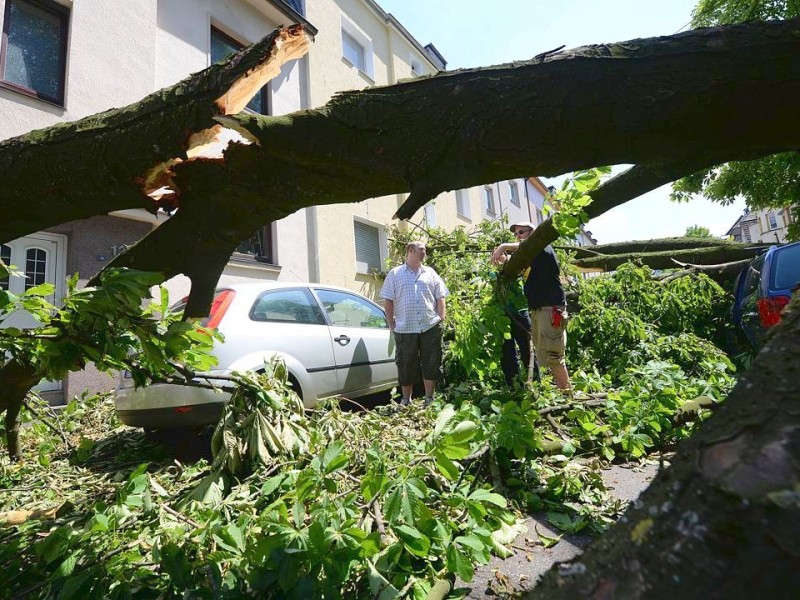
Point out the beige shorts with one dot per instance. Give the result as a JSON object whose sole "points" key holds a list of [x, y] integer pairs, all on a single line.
{"points": [[549, 341]]}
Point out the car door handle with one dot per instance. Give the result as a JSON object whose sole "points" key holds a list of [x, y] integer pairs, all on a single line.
{"points": [[342, 339]]}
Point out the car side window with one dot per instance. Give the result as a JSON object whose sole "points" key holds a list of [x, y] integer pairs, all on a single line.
{"points": [[349, 310], [753, 277], [287, 306], [787, 268]]}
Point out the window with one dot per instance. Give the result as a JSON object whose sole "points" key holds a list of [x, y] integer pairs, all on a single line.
{"points": [[416, 67], [368, 247], [348, 310], [222, 46], [357, 48], [488, 200], [786, 273], [539, 217], [287, 306], [35, 267], [33, 58], [513, 190], [296, 5], [354, 52], [773, 221], [5, 255], [462, 203], [259, 246], [746, 234], [430, 214]]}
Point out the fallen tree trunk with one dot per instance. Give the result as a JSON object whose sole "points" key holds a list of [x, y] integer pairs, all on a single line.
{"points": [[711, 255], [634, 102], [723, 520], [670, 244]]}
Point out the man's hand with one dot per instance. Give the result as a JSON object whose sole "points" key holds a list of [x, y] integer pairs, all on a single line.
{"points": [[499, 255]]}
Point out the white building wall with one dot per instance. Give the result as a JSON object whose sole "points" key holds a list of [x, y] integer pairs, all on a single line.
{"points": [[111, 53]]}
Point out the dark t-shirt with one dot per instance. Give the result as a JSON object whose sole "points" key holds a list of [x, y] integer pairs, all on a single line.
{"points": [[542, 285]]}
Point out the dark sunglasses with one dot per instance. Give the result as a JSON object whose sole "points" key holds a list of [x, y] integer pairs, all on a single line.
{"points": [[518, 231]]}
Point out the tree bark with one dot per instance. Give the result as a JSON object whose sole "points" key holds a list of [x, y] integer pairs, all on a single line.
{"points": [[17, 380], [723, 520], [111, 160], [658, 245], [711, 255], [669, 105]]}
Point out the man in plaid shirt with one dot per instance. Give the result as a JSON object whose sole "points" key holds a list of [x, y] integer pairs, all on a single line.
{"points": [[413, 296]]}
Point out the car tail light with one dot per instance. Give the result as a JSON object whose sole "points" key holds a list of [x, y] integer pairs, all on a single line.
{"points": [[219, 307], [769, 309]]}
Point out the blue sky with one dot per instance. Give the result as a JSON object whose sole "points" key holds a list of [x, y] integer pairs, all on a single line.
{"points": [[476, 33]]}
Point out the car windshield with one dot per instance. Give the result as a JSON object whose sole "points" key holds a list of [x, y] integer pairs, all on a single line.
{"points": [[787, 267]]}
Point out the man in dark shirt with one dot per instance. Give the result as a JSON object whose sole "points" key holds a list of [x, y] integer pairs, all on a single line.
{"points": [[546, 301]]}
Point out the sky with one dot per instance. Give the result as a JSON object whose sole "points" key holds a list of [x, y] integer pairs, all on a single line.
{"points": [[479, 33]]}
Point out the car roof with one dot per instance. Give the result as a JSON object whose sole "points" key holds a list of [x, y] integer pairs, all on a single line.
{"points": [[257, 286]]}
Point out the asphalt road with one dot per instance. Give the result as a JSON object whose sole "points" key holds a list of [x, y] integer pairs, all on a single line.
{"points": [[520, 572]]}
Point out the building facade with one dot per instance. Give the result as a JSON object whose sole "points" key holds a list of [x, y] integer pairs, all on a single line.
{"points": [[762, 225], [62, 60]]}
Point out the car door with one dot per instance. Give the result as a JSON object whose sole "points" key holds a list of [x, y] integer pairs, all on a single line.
{"points": [[363, 347], [289, 322]]}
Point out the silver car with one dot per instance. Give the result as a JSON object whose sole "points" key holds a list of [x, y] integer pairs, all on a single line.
{"points": [[333, 341]]}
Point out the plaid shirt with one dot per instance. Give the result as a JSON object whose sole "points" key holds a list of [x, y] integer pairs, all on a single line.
{"points": [[415, 296]]}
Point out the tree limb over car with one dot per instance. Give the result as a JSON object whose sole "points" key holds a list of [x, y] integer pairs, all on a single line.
{"points": [[669, 105]]}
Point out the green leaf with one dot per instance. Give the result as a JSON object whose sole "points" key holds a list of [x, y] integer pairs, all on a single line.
{"points": [[66, 568], [415, 542], [459, 563], [463, 432], [334, 458], [442, 420], [379, 585], [560, 520], [485, 496], [175, 564], [547, 541], [446, 466]]}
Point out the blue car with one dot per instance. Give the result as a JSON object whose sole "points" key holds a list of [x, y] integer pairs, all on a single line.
{"points": [[763, 289]]}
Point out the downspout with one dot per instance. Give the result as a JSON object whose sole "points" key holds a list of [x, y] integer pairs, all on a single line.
{"points": [[391, 75], [312, 220], [528, 201]]}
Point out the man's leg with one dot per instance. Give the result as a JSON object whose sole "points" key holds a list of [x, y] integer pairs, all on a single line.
{"points": [[430, 348], [407, 360], [508, 360], [561, 377]]}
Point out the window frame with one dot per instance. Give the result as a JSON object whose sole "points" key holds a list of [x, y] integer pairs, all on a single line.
{"points": [[268, 247], [513, 193], [463, 208], [430, 214], [382, 246], [364, 41], [352, 297], [63, 15], [772, 218], [319, 312], [416, 66], [266, 106], [490, 208]]}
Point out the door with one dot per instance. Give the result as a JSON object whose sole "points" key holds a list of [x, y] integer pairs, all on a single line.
{"points": [[39, 258], [286, 321], [362, 345]]}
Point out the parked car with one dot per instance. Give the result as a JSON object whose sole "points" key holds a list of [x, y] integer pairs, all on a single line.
{"points": [[333, 341], [763, 288]]}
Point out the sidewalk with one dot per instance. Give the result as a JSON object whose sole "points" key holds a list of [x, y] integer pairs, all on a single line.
{"points": [[530, 560]]}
